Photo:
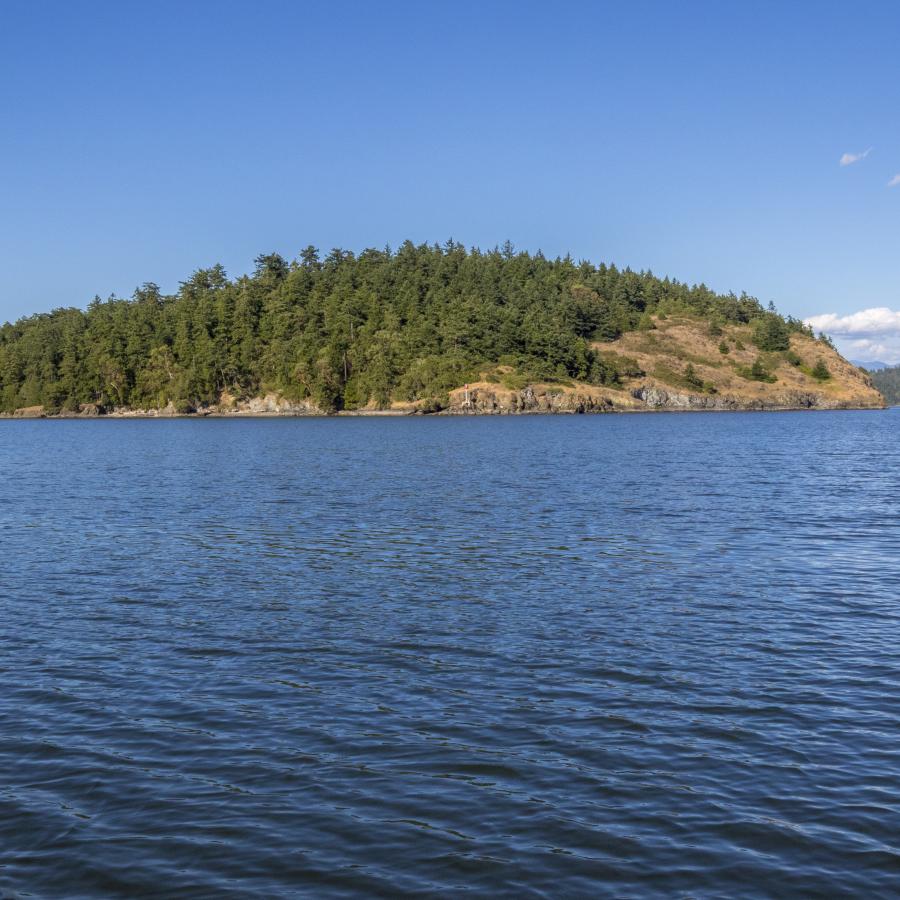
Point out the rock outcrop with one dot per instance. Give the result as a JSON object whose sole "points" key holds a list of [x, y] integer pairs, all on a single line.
{"points": [[491, 400]]}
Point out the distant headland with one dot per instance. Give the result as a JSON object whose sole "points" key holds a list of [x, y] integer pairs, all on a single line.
{"points": [[437, 329]]}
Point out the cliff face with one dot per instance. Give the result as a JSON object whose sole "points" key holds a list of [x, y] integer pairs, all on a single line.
{"points": [[488, 399], [685, 365]]}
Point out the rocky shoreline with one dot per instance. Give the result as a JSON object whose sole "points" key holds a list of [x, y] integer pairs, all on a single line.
{"points": [[642, 399], [481, 401]]}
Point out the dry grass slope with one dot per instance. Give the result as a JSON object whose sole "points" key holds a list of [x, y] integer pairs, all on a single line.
{"points": [[689, 365]]}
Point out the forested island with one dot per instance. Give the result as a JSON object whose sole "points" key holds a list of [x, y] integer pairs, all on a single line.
{"points": [[427, 329], [887, 381]]}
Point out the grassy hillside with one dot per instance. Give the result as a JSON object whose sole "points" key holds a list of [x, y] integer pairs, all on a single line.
{"points": [[685, 362], [688, 355], [405, 328]]}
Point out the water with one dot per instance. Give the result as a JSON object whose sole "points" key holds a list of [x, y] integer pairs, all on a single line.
{"points": [[643, 656]]}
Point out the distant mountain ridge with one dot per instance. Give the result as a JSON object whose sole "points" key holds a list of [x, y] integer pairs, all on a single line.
{"points": [[873, 365]]}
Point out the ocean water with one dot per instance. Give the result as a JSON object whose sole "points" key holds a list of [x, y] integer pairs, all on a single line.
{"points": [[611, 656]]}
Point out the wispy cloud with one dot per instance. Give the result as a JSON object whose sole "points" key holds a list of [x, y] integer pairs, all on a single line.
{"points": [[894, 181], [866, 350], [849, 158], [872, 333]]}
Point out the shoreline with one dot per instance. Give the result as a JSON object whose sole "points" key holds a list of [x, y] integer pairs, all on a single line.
{"points": [[415, 414]]}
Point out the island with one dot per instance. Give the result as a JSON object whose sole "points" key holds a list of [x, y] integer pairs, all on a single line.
{"points": [[424, 329], [887, 382]]}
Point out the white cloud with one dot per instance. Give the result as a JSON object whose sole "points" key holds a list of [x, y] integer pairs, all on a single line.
{"points": [[865, 323], [868, 335], [866, 350], [849, 158], [894, 181]]}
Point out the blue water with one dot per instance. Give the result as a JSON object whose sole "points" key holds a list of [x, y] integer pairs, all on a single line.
{"points": [[641, 656]]}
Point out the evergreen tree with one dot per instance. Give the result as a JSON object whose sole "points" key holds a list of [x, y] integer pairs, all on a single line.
{"points": [[352, 330], [820, 371], [771, 333]]}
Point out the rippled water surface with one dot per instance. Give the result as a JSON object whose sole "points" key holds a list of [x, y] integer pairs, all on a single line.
{"points": [[555, 657]]}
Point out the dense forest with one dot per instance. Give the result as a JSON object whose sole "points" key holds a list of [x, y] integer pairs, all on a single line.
{"points": [[348, 330], [888, 382]]}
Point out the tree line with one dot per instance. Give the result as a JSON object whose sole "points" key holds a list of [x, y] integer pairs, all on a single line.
{"points": [[347, 330], [888, 382]]}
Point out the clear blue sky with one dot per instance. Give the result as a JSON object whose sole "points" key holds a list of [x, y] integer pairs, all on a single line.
{"points": [[139, 142]]}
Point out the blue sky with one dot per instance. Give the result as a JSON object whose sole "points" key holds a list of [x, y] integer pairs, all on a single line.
{"points": [[139, 142]]}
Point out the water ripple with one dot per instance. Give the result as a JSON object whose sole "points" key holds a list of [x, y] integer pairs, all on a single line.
{"points": [[643, 656]]}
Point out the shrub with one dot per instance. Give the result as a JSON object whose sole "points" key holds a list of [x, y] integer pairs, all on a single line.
{"points": [[691, 377], [513, 381], [758, 372], [428, 376], [611, 369], [820, 371]]}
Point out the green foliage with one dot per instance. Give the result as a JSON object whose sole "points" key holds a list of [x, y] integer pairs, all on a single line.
{"points": [[691, 377], [723, 348], [687, 380], [612, 369], [431, 376], [820, 371], [758, 372], [514, 381], [348, 330], [796, 326], [771, 333], [888, 382]]}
